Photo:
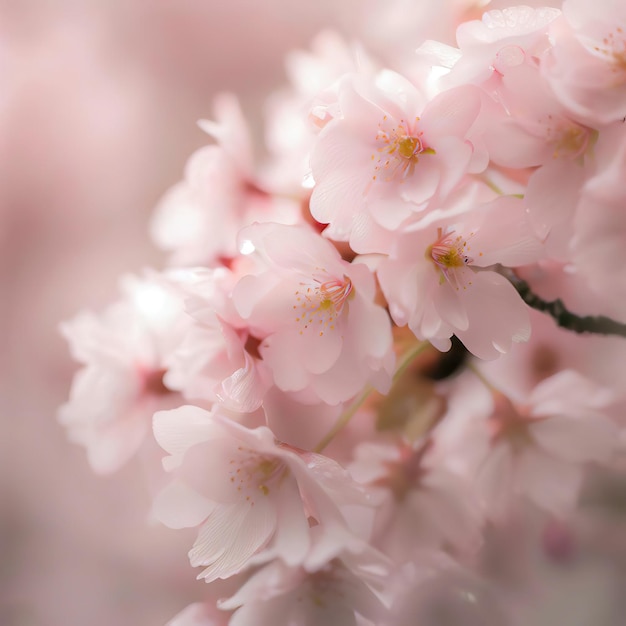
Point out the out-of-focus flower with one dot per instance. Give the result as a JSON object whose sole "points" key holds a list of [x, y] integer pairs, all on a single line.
{"points": [[200, 614], [124, 352], [211, 363], [536, 447], [333, 594], [587, 64], [198, 219], [421, 504]]}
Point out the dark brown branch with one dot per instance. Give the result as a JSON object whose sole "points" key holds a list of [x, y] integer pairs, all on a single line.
{"points": [[596, 324]]}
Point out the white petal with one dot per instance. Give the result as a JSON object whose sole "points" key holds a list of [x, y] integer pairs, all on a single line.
{"points": [[231, 536], [244, 387], [291, 541], [179, 429]]}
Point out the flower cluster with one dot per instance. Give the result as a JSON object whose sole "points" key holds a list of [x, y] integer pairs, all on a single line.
{"points": [[291, 359]]}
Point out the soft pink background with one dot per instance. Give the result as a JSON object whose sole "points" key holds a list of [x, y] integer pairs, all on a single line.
{"points": [[98, 104]]}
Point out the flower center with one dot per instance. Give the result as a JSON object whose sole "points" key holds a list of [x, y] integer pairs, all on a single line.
{"points": [[251, 473], [153, 384], [409, 147], [509, 424], [404, 474], [570, 139], [449, 254], [321, 302], [613, 48], [399, 150]]}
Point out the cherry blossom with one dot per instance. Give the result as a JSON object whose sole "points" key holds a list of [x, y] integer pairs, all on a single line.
{"points": [[198, 219], [523, 124], [421, 503], [536, 446], [246, 491], [551, 349], [344, 317], [435, 280], [599, 224], [290, 133], [390, 155], [124, 351], [587, 65], [598, 251], [297, 424], [501, 40], [540, 128], [333, 594], [212, 363], [314, 315], [436, 587]]}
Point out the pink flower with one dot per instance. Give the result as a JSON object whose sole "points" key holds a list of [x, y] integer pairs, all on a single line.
{"points": [[290, 133], [420, 503], [599, 225], [533, 128], [587, 65], [434, 280], [552, 348], [607, 182], [523, 124], [124, 351], [246, 491], [500, 40], [390, 155], [552, 195], [212, 363], [438, 590], [536, 447], [198, 219], [314, 314], [332, 595], [599, 252], [541, 451]]}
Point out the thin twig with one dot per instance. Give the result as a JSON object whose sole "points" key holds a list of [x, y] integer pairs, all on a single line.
{"points": [[349, 413]]}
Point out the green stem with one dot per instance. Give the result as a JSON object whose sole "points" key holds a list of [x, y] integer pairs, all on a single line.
{"points": [[344, 418], [472, 367], [491, 185], [408, 357], [356, 404]]}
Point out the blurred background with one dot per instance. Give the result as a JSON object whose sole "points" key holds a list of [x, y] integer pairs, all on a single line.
{"points": [[98, 104], [98, 107]]}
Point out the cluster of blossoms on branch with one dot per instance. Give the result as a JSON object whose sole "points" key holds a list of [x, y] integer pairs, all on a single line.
{"points": [[292, 360]]}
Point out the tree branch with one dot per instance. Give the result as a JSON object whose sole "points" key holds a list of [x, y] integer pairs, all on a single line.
{"points": [[597, 324]]}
